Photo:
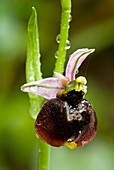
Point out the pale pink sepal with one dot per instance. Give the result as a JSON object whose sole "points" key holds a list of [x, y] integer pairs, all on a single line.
{"points": [[62, 78], [47, 88], [75, 61]]}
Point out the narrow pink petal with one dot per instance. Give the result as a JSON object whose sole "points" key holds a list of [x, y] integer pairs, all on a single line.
{"points": [[47, 88], [62, 78], [75, 61]]}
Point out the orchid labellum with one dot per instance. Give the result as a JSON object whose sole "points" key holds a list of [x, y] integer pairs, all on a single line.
{"points": [[66, 118]]}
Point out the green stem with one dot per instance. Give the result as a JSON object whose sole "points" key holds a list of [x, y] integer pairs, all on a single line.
{"points": [[66, 13], [43, 156]]}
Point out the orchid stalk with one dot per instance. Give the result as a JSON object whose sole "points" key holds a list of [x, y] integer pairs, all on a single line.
{"points": [[33, 71], [63, 36], [54, 89]]}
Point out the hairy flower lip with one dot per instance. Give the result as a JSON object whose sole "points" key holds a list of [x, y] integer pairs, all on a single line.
{"points": [[53, 126]]}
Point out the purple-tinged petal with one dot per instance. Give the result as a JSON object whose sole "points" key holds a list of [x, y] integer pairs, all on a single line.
{"points": [[75, 61], [62, 78], [47, 88]]}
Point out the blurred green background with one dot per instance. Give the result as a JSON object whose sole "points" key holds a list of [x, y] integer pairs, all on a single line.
{"points": [[92, 26]]}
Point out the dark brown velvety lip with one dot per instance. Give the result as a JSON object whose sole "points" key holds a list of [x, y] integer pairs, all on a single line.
{"points": [[68, 118]]}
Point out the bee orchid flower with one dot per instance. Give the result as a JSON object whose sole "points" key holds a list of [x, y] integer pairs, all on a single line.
{"points": [[66, 118]]}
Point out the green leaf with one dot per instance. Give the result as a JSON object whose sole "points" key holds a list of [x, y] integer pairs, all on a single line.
{"points": [[33, 65]]}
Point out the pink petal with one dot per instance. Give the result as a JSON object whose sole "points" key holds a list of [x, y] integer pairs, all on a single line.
{"points": [[47, 88], [75, 61], [62, 78]]}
